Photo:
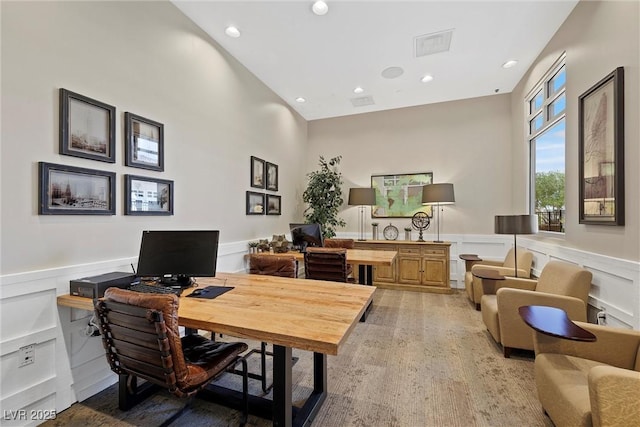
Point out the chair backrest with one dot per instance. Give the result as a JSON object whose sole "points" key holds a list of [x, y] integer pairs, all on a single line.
{"points": [[562, 278], [273, 265], [525, 259], [339, 243], [141, 336], [326, 264]]}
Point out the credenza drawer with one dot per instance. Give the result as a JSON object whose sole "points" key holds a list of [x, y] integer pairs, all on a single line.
{"points": [[438, 252], [409, 251]]}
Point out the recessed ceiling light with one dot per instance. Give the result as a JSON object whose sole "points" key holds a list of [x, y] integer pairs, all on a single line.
{"points": [[300, 99], [392, 72], [232, 31], [358, 90], [509, 64], [320, 8], [426, 78]]}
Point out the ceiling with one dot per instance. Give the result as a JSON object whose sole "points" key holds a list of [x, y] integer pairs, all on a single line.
{"points": [[323, 58]]}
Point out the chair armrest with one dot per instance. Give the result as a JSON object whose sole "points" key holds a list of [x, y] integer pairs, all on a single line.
{"points": [[485, 263], [615, 396], [626, 343], [510, 272], [517, 283]]}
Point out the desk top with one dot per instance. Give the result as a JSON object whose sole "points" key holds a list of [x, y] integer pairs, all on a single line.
{"points": [[553, 321], [311, 315], [356, 256]]}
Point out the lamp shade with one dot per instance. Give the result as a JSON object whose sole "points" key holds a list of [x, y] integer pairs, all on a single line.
{"points": [[438, 194], [516, 224], [362, 196]]}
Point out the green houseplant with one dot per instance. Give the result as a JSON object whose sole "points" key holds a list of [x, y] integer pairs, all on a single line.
{"points": [[324, 196]]}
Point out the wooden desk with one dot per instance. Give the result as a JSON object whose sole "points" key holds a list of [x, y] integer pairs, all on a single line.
{"points": [[553, 321], [311, 315]]}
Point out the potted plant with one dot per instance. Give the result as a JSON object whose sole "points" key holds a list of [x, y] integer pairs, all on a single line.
{"points": [[324, 196], [253, 247], [374, 226]]}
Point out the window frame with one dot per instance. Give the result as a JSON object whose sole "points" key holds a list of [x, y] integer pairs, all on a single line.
{"points": [[543, 85]]}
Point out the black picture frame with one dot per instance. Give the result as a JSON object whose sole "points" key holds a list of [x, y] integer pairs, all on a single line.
{"points": [[257, 172], [400, 195], [274, 204], [147, 196], [70, 190], [144, 142], [601, 151], [87, 127], [272, 176], [255, 203]]}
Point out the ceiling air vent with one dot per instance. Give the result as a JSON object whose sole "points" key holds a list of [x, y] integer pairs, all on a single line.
{"points": [[362, 101], [433, 43]]}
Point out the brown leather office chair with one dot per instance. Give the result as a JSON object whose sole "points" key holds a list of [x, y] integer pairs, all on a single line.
{"points": [[326, 264], [142, 340], [339, 243], [270, 265], [273, 265]]}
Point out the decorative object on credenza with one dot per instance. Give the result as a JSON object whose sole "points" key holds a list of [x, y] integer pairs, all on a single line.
{"points": [[255, 203], [144, 142], [272, 177], [399, 195], [147, 196], [273, 205], [438, 194], [374, 230], [407, 233], [361, 197], [323, 196], [87, 127], [69, 190], [420, 221], [257, 172], [390, 232], [279, 243], [263, 245], [253, 247], [601, 151], [516, 224]]}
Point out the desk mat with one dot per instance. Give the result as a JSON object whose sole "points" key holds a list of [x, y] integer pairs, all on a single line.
{"points": [[210, 292]]}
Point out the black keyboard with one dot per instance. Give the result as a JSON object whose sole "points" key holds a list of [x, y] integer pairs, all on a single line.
{"points": [[154, 289]]}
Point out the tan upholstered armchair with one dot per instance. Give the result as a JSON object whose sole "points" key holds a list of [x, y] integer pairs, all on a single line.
{"points": [[590, 384], [473, 285], [560, 285]]}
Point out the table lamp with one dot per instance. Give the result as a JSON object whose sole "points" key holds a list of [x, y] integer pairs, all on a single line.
{"points": [[362, 197], [516, 224], [438, 194]]}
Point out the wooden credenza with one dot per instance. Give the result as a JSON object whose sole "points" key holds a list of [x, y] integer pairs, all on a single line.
{"points": [[419, 266]]}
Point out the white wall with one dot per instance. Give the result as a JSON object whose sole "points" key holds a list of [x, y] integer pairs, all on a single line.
{"points": [[149, 59]]}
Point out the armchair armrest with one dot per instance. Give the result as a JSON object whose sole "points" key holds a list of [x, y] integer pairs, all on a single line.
{"points": [[517, 283], [486, 263], [626, 343], [510, 272], [615, 396]]}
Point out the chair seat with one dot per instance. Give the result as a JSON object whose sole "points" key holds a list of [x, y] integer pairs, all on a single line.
{"points": [[206, 358]]}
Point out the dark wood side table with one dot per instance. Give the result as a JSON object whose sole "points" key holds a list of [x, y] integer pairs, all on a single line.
{"points": [[469, 260], [489, 278], [553, 321]]}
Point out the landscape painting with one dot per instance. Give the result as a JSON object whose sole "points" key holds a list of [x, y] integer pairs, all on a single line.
{"points": [[400, 195]]}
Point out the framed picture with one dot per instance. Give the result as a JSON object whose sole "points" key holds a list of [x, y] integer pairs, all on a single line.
{"points": [[272, 177], [87, 127], [147, 196], [69, 190], [257, 172], [601, 151], [144, 143], [255, 203], [273, 205], [400, 195]]}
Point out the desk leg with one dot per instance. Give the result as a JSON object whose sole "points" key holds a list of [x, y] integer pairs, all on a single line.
{"points": [[365, 277]]}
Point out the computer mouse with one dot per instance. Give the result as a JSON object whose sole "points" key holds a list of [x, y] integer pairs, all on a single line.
{"points": [[197, 292]]}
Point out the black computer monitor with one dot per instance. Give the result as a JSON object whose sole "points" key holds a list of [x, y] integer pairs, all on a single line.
{"points": [[176, 256], [303, 235]]}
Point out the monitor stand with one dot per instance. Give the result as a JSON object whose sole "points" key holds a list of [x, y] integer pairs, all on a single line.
{"points": [[181, 281]]}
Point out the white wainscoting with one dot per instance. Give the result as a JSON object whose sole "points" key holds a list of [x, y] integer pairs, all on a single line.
{"points": [[70, 367]]}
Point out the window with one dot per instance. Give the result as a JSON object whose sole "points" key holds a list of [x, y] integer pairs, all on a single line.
{"points": [[546, 109]]}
